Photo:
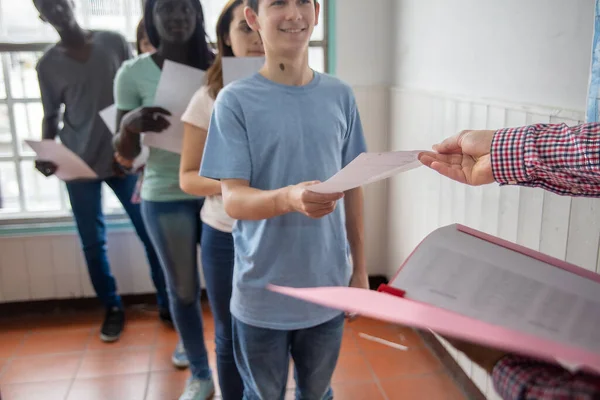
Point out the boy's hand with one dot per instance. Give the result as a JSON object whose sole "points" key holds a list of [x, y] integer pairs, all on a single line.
{"points": [[311, 204], [360, 280], [47, 168]]}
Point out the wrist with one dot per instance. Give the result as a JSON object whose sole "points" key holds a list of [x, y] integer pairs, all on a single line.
{"points": [[283, 202]]}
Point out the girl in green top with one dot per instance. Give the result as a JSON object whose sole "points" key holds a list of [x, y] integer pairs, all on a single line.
{"points": [[176, 29]]}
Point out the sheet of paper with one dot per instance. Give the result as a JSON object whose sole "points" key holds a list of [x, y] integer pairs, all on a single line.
{"points": [[235, 68], [177, 85], [465, 274], [109, 116], [385, 307], [70, 166], [368, 168]]}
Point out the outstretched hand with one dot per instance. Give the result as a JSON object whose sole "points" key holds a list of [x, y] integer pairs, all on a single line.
{"points": [[464, 157]]}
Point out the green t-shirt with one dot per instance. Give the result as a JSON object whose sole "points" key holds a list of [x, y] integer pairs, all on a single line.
{"points": [[135, 86]]}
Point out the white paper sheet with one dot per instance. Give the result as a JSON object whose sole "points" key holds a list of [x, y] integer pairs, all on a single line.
{"points": [[70, 166], [368, 168], [109, 116], [177, 85], [235, 68]]}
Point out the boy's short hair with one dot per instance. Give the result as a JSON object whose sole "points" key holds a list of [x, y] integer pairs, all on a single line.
{"points": [[253, 4]]}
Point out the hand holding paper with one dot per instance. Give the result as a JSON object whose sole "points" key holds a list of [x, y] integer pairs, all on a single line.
{"points": [[368, 168], [311, 204], [68, 165], [178, 83]]}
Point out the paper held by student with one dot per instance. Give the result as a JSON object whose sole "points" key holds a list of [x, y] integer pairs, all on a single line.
{"points": [[109, 116], [177, 85], [468, 285], [235, 68], [70, 166], [368, 168]]}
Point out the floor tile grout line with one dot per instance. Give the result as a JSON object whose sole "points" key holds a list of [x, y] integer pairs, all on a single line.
{"points": [[373, 374], [83, 354], [147, 387]]}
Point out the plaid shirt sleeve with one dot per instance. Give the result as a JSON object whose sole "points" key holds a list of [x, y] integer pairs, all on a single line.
{"points": [[562, 159], [520, 378]]}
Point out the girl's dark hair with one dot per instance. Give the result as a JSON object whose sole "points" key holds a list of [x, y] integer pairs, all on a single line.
{"points": [[140, 33], [201, 55], [214, 75]]}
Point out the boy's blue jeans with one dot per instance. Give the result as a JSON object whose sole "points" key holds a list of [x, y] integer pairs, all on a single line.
{"points": [[263, 357], [86, 205]]}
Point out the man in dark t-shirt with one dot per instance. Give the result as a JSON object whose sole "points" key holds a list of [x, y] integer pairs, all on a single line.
{"points": [[78, 73]]}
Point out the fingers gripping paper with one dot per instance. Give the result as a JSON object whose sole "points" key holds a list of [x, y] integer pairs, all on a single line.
{"points": [[69, 165]]}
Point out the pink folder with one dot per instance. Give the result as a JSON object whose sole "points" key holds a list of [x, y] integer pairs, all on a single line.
{"points": [[466, 284]]}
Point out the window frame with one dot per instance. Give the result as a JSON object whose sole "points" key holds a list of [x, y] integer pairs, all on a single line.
{"points": [[63, 215]]}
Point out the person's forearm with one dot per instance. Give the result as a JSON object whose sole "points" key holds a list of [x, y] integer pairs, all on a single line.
{"points": [[559, 158], [246, 203], [354, 206], [127, 144], [50, 128], [194, 184]]}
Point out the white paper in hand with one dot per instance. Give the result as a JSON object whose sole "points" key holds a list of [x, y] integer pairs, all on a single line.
{"points": [[368, 168], [109, 116], [70, 165], [235, 68], [178, 83]]}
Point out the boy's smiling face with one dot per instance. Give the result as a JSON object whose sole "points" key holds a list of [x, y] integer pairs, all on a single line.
{"points": [[285, 26]]}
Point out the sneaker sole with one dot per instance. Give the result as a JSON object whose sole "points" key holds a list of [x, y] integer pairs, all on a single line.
{"points": [[179, 364], [109, 339]]}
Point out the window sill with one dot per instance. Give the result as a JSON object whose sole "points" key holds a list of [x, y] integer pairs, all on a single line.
{"points": [[34, 224]]}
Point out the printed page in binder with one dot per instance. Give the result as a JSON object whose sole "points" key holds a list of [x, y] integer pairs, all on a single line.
{"points": [[473, 277]]}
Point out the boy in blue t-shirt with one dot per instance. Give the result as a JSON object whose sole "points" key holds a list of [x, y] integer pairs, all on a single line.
{"points": [[271, 136]]}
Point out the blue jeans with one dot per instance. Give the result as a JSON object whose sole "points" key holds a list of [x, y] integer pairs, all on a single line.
{"points": [[217, 264], [263, 357], [174, 228], [86, 204]]}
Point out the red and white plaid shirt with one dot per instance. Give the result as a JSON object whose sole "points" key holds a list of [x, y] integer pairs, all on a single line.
{"points": [[563, 160], [556, 157], [521, 378]]}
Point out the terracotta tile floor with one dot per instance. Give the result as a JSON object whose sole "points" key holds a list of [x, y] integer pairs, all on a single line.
{"points": [[60, 357]]}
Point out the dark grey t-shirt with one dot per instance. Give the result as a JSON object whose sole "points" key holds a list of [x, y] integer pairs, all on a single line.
{"points": [[85, 88]]}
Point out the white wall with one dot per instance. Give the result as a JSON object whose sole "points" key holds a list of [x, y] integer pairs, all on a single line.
{"points": [[534, 51], [364, 40], [488, 64], [364, 60]]}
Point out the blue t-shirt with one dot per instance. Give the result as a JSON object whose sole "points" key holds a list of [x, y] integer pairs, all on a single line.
{"points": [[273, 136]]}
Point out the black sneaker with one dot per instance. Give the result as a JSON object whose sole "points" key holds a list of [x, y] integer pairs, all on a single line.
{"points": [[113, 324], [165, 316]]}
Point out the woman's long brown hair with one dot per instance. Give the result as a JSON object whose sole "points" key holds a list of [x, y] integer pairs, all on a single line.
{"points": [[214, 75]]}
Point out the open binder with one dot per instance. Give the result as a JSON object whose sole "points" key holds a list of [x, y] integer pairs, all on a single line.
{"points": [[469, 285]]}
